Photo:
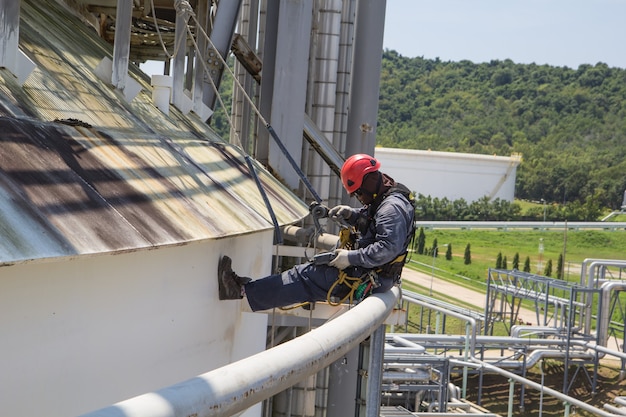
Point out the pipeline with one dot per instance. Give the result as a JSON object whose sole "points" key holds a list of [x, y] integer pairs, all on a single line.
{"points": [[472, 361], [587, 278], [297, 234], [478, 364], [504, 341], [607, 288], [235, 387]]}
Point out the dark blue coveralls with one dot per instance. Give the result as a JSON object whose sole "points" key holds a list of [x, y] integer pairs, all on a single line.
{"points": [[387, 236]]}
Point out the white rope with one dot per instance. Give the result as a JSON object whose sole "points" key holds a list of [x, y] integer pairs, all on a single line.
{"points": [[156, 25], [236, 81], [185, 11], [217, 93]]}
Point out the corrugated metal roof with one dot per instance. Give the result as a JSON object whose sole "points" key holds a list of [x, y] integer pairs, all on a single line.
{"points": [[82, 171]]}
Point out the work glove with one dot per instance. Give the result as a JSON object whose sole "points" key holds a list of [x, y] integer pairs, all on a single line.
{"points": [[343, 212], [340, 261]]}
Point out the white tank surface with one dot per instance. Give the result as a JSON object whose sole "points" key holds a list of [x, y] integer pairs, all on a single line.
{"points": [[451, 175]]}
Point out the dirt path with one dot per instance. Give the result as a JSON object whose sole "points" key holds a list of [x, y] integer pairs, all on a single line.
{"points": [[473, 297]]}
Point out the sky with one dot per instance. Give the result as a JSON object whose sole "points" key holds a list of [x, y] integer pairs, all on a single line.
{"points": [[554, 32]]}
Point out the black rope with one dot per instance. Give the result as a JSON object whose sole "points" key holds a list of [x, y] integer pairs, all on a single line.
{"points": [[293, 163], [278, 237]]}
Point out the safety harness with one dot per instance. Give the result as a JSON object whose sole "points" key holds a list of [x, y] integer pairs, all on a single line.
{"points": [[362, 286]]}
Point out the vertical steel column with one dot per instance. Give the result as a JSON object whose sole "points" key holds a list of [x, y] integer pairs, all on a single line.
{"points": [[202, 13], [221, 37], [321, 392], [9, 33], [375, 374], [288, 95], [269, 28], [121, 45], [342, 100], [241, 109], [324, 87], [180, 50], [368, 47], [488, 306]]}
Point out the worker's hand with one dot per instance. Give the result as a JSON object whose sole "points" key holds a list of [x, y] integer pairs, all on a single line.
{"points": [[340, 261], [343, 212]]}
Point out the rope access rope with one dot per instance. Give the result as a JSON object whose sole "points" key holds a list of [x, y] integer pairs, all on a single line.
{"points": [[355, 284], [185, 12], [184, 4], [183, 9]]}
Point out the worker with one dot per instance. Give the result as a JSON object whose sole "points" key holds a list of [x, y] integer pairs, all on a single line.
{"points": [[384, 226]]}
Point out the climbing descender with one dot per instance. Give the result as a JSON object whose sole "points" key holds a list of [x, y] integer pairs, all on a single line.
{"points": [[318, 211]]}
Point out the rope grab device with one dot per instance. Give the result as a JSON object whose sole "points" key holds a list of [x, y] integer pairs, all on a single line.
{"points": [[359, 287]]}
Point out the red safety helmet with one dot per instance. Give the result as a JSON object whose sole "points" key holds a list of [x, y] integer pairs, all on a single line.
{"points": [[355, 168]]}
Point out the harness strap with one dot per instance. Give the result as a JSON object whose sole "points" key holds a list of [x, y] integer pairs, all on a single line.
{"points": [[399, 259], [361, 287]]}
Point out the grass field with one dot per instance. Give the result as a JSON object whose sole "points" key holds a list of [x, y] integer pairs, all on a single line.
{"points": [[618, 218], [576, 245]]}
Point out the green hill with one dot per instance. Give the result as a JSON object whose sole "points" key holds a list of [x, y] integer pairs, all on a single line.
{"points": [[569, 125]]}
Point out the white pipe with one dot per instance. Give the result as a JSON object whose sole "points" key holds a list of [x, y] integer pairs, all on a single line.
{"points": [[467, 319], [517, 329], [445, 224], [391, 376], [475, 363], [506, 342], [603, 262], [536, 346], [459, 405], [583, 267], [391, 350], [617, 410], [479, 364], [237, 386], [538, 354], [478, 413], [593, 264], [603, 327], [326, 241]]}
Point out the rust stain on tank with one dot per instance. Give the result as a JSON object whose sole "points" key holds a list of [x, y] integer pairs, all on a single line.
{"points": [[82, 171]]}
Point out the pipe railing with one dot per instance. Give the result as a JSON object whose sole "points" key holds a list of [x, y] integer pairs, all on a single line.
{"points": [[588, 278], [472, 340], [235, 387], [475, 363]]}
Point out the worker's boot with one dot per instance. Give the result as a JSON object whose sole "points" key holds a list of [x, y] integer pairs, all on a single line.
{"points": [[230, 284]]}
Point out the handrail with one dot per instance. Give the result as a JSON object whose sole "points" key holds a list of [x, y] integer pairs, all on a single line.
{"points": [[536, 386], [235, 387], [470, 360], [470, 224]]}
